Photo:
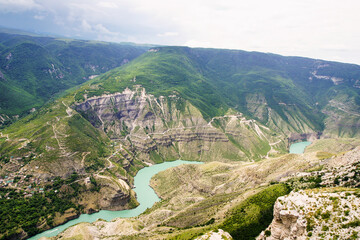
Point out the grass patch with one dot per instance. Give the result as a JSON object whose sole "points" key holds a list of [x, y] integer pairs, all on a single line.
{"points": [[254, 214], [200, 214], [324, 155], [189, 234]]}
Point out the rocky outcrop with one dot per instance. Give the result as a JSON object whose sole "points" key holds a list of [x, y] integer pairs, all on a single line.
{"points": [[287, 224], [206, 134], [144, 123], [68, 215], [328, 213], [138, 113], [113, 200], [220, 234], [325, 213], [20, 235], [337, 171], [112, 194], [343, 170], [297, 137]]}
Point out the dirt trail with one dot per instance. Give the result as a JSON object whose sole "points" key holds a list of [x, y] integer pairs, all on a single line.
{"points": [[122, 183], [343, 107], [69, 111], [84, 154], [225, 116], [271, 148], [58, 136], [24, 142], [7, 136]]}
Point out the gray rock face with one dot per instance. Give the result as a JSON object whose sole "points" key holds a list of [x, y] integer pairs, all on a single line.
{"points": [[338, 171], [146, 120], [316, 214], [114, 194], [342, 170], [295, 137], [113, 200], [121, 113], [173, 127], [287, 224]]}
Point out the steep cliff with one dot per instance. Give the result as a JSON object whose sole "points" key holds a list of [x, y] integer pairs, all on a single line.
{"points": [[319, 213], [329, 212], [171, 127]]}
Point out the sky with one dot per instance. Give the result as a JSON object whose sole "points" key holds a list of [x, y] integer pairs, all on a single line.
{"points": [[324, 29]]}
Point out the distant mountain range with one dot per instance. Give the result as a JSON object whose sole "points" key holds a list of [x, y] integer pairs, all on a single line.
{"points": [[288, 94]]}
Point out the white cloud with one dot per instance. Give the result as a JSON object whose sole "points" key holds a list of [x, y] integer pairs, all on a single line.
{"points": [[85, 26], [168, 34], [39, 17], [99, 28], [107, 4], [18, 5]]}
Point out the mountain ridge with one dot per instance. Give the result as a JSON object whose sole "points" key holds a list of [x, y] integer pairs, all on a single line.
{"points": [[197, 77]]}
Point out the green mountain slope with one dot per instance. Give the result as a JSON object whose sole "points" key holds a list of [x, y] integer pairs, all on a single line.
{"points": [[33, 69], [289, 94], [169, 98], [169, 103]]}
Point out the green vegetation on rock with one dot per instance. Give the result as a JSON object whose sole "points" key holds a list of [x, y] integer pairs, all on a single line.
{"points": [[253, 215]]}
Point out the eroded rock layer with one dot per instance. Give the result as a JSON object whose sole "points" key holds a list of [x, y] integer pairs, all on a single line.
{"points": [[172, 125], [318, 213]]}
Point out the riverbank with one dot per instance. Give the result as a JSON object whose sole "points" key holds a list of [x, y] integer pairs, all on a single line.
{"points": [[298, 148], [145, 196]]}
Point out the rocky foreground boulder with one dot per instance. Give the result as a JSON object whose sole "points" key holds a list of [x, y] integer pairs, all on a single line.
{"points": [[324, 213], [218, 235]]}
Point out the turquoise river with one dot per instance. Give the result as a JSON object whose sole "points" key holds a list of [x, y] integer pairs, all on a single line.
{"points": [[299, 147], [144, 193]]}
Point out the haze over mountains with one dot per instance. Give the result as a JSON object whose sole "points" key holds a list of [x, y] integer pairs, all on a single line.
{"points": [[155, 104]]}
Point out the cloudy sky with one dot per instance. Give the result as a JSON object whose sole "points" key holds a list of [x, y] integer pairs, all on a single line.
{"points": [[326, 29]]}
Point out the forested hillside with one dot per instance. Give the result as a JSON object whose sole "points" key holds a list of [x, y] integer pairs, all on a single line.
{"points": [[34, 69]]}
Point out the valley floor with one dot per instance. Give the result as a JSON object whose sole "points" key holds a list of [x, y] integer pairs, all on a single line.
{"points": [[199, 198]]}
